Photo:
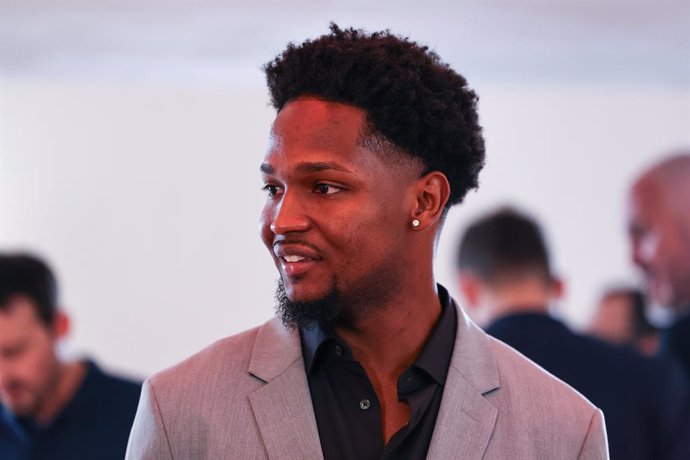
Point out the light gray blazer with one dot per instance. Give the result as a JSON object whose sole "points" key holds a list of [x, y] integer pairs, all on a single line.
{"points": [[247, 397]]}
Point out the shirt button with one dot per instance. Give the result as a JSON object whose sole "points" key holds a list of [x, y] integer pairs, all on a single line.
{"points": [[364, 404], [338, 350]]}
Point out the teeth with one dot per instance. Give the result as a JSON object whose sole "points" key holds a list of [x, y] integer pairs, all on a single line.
{"points": [[293, 258]]}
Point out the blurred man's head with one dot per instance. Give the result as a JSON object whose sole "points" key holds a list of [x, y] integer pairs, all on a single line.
{"points": [[30, 326], [503, 266], [659, 230], [620, 318]]}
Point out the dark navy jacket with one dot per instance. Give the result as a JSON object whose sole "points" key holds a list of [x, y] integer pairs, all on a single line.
{"points": [[95, 424], [646, 402], [675, 342]]}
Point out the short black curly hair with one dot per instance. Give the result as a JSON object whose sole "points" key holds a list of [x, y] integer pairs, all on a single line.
{"points": [[410, 96]]}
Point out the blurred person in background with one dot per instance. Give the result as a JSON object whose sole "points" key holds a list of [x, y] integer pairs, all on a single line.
{"points": [[620, 317], [51, 408], [659, 231], [505, 275]]}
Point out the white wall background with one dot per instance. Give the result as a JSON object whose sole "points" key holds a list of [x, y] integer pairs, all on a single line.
{"points": [[131, 133]]}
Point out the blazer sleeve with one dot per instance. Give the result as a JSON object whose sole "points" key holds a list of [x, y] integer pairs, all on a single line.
{"points": [[148, 438], [595, 446]]}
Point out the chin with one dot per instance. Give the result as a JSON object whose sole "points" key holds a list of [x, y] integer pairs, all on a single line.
{"points": [[20, 410], [302, 297], [301, 292], [297, 307]]}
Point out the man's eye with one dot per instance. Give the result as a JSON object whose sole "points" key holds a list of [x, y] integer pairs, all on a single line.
{"points": [[326, 189], [13, 352], [271, 190]]}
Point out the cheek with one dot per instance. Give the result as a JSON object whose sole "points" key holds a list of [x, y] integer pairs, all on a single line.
{"points": [[376, 238], [676, 254], [30, 368], [265, 227], [42, 361], [359, 230], [648, 247]]}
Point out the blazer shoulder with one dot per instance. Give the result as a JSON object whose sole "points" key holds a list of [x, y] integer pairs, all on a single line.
{"points": [[221, 359], [200, 407]]}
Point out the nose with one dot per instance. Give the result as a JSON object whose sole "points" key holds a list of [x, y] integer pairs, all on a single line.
{"points": [[635, 255], [645, 249], [289, 215]]}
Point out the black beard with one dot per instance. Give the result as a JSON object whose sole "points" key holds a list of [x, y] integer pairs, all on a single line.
{"points": [[295, 315]]}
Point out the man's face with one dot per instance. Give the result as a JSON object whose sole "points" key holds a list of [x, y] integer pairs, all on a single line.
{"points": [[612, 320], [659, 244], [28, 364], [336, 215]]}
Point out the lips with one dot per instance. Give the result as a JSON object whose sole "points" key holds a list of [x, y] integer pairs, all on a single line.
{"points": [[12, 393], [296, 258]]}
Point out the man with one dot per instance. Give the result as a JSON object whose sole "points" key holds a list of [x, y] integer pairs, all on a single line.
{"points": [[659, 230], [50, 408], [374, 139], [506, 277], [620, 317]]}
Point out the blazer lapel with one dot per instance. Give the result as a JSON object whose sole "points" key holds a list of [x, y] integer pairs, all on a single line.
{"points": [[466, 418], [282, 407]]}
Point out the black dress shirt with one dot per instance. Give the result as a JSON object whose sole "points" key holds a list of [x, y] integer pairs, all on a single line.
{"points": [[347, 410]]}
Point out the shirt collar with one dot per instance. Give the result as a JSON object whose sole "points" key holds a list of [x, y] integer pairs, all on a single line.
{"points": [[314, 336], [434, 358]]}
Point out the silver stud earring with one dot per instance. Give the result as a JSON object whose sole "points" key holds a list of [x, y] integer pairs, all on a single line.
{"points": [[416, 223]]}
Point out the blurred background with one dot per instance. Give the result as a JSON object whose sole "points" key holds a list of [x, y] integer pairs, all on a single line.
{"points": [[131, 132]]}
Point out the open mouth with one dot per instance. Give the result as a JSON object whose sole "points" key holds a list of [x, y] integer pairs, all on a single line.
{"points": [[295, 258], [295, 266]]}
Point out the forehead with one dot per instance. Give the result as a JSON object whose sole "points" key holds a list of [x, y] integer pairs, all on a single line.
{"points": [[309, 127], [18, 317], [319, 122]]}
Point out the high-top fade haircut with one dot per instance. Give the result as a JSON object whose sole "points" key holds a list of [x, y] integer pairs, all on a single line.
{"points": [[411, 98], [27, 275], [504, 245]]}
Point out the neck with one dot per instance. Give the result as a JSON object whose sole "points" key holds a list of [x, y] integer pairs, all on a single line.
{"points": [[683, 310], [69, 378], [389, 337], [514, 299]]}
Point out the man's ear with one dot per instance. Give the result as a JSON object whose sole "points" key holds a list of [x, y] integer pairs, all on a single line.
{"points": [[61, 325], [557, 288], [432, 192], [470, 286]]}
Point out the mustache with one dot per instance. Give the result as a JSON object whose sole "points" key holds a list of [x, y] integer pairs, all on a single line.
{"points": [[297, 242]]}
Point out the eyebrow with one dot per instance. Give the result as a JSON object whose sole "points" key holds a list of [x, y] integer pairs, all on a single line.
{"points": [[308, 167]]}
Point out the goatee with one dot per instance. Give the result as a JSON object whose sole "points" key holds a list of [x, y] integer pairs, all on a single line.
{"points": [[295, 315]]}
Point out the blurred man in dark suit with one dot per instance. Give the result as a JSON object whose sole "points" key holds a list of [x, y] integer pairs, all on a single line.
{"points": [[659, 230], [506, 278], [51, 408]]}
